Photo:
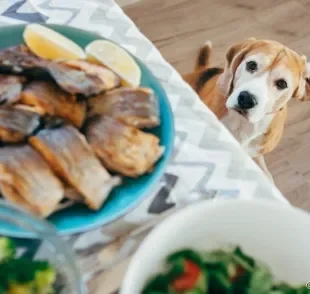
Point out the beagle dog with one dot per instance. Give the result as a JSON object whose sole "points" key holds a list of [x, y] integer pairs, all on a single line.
{"points": [[250, 94]]}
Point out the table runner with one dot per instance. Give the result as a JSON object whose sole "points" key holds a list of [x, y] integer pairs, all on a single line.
{"points": [[207, 162]]}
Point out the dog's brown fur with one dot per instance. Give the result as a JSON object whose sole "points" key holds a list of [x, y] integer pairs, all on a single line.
{"points": [[214, 85]]}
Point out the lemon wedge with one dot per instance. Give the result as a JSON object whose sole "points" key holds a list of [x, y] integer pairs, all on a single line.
{"points": [[47, 43], [115, 58]]}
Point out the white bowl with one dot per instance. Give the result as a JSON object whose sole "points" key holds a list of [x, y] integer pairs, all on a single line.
{"points": [[274, 233]]}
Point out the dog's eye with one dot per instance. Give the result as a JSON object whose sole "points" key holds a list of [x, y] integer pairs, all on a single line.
{"points": [[251, 66], [281, 84]]}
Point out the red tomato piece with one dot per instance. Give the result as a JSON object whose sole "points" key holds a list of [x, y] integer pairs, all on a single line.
{"points": [[189, 279]]}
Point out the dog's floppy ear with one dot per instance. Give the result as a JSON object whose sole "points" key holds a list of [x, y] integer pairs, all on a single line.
{"points": [[234, 57], [303, 91]]}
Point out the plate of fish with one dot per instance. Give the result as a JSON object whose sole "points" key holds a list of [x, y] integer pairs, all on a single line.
{"points": [[86, 130]]}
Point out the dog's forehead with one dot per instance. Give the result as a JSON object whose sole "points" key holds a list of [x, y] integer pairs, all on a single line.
{"points": [[268, 48], [278, 56]]}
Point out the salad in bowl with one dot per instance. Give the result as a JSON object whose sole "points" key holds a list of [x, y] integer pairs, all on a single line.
{"points": [[225, 247], [218, 271], [44, 264]]}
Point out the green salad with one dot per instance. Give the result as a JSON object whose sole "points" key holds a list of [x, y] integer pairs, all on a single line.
{"points": [[19, 275], [217, 272]]}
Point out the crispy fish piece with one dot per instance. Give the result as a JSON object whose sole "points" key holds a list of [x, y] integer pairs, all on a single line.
{"points": [[17, 124], [135, 107], [15, 198], [75, 81], [27, 180], [10, 89], [52, 122], [70, 156], [12, 196], [123, 148], [108, 77], [20, 61], [54, 101], [72, 194], [35, 109]]}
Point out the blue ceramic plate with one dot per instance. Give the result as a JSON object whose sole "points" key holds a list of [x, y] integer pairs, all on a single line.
{"points": [[127, 196]]}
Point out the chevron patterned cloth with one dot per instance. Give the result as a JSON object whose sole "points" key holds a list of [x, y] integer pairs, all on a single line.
{"points": [[207, 161]]}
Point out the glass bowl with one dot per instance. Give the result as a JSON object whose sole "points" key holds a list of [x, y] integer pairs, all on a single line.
{"points": [[44, 245]]}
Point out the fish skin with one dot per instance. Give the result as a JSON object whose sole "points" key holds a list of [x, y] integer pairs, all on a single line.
{"points": [[72, 159], [10, 89], [17, 124], [20, 61], [108, 77], [75, 81], [122, 148], [27, 180], [135, 107], [53, 101]]}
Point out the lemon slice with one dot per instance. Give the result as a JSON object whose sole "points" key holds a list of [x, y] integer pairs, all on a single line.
{"points": [[115, 58], [46, 43]]}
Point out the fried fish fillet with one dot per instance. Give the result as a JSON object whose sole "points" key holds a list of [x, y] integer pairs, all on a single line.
{"points": [[53, 122], [123, 148], [28, 181], [10, 89], [70, 156], [13, 197], [75, 81], [108, 77], [17, 124], [72, 194], [20, 61], [35, 109], [135, 107], [54, 102]]}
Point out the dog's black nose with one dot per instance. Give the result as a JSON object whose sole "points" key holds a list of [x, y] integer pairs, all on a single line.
{"points": [[246, 100]]}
